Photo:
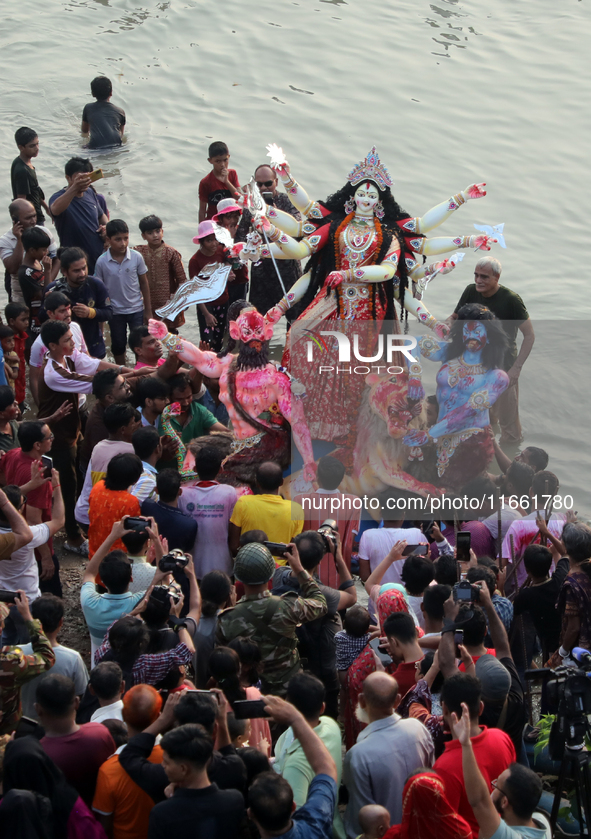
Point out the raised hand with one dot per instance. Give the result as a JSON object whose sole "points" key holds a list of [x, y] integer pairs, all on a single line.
{"points": [[461, 726], [157, 328], [475, 191], [481, 242]]}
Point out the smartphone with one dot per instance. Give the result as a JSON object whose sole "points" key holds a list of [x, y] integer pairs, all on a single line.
{"points": [[250, 709], [276, 548], [458, 637], [7, 596], [383, 656], [417, 550], [96, 175], [27, 727], [48, 464], [136, 524], [463, 543]]}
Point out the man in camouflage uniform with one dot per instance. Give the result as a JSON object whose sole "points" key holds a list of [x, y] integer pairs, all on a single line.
{"points": [[271, 621], [16, 668]]}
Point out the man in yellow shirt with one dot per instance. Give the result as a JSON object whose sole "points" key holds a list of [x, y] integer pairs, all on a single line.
{"points": [[281, 520]]}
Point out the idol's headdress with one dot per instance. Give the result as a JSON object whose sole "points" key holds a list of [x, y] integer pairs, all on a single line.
{"points": [[370, 169]]}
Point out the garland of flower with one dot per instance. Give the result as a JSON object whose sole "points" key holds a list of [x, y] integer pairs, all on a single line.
{"points": [[343, 226], [337, 254]]}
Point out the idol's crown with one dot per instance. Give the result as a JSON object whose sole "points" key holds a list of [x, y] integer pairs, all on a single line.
{"points": [[371, 169]]}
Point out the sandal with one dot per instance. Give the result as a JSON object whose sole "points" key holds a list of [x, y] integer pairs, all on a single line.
{"points": [[81, 550]]}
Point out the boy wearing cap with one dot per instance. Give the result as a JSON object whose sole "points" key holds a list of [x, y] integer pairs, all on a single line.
{"points": [[271, 621], [228, 216]]}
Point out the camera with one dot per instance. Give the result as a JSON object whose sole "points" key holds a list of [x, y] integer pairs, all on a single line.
{"points": [[569, 695], [172, 560], [163, 593], [465, 592], [329, 531]]}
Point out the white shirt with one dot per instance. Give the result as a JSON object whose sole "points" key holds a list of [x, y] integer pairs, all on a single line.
{"points": [[145, 488], [62, 380], [21, 571], [375, 545], [142, 574], [38, 349], [211, 507], [109, 712], [68, 663]]}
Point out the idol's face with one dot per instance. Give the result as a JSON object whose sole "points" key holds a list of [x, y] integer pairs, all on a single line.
{"points": [[366, 198], [474, 334]]}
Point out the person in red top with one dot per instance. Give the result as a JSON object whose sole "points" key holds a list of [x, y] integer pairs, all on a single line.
{"points": [[20, 467], [17, 317], [212, 316], [493, 749], [403, 646], [110, 500], [221, 182], [119, 804], [78, 750]]}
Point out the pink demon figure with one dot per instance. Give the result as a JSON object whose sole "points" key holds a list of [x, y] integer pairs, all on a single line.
{"points": [[256, 394]]}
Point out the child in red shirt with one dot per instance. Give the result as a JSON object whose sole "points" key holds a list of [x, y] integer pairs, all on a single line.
{"points": [[220, 183], [17, 317]]}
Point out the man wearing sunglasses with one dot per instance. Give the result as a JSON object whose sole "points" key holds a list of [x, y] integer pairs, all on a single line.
{"points": [[507, 813], [265, 288]]}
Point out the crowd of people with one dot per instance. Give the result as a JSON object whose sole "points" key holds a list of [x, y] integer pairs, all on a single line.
{"points": [[238, 685]]}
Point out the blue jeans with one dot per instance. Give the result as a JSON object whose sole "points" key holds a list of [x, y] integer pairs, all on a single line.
{"points": [[118, 325]]}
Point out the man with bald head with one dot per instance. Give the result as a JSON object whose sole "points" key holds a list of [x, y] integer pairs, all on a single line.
{"points": [[119, 804], [265, 288], [280, 519], [24, 216], [386, 752]]}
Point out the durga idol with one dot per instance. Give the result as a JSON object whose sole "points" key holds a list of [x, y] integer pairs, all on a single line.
{"points": [[364, 250]]}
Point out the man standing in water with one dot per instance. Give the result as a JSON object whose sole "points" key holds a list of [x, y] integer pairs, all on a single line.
{"points": [[510, 309]]}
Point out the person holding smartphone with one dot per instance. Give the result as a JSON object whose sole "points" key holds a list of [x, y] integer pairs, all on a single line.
{"points": [[17, 668]]}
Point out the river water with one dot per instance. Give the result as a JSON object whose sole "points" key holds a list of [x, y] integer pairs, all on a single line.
{"points": [[450, 92]]}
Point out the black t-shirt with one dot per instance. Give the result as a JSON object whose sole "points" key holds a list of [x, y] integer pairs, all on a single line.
{"points": [[507, 306], [315, 638], [23, 179], [540, 602], [106, 121], [208, 813]]}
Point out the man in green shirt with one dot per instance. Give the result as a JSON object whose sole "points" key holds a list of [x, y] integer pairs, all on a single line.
{"points": [[307, 694], [510, 309], [193, 421]]}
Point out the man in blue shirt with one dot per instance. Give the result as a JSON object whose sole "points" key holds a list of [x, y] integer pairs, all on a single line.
{"points": [[179, 528], [270, 798], [79, 213]]}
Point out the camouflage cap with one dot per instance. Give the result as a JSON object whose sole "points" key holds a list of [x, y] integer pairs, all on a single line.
{"points": [[254, 564]]}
